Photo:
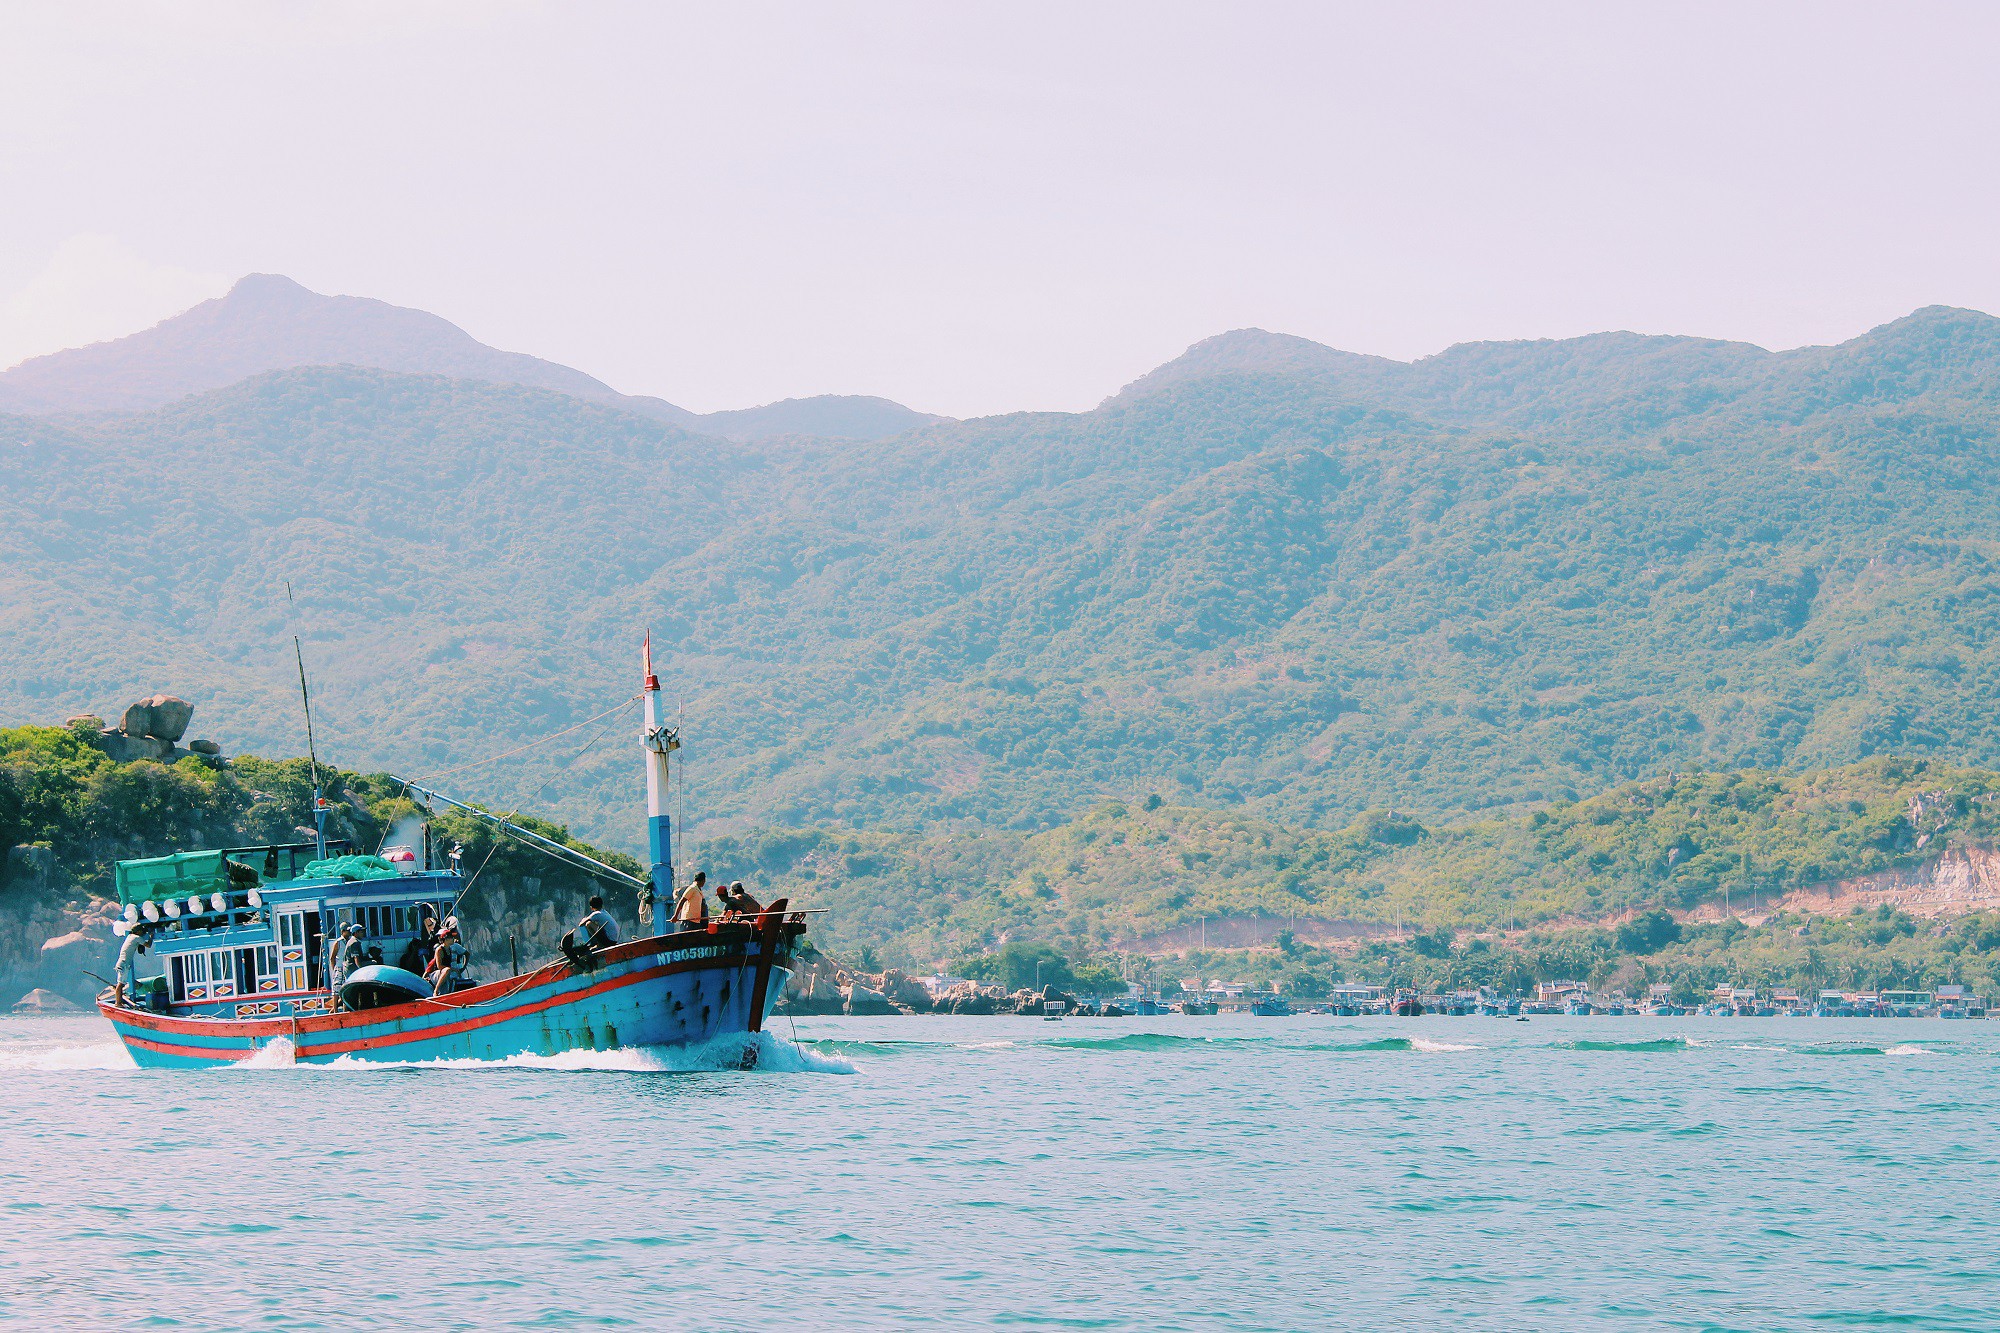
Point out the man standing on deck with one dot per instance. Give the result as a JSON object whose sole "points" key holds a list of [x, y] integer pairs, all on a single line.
{"points": [[345, 951], [135, 944]]}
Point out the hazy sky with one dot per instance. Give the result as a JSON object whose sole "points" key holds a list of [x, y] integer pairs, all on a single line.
{"points": [[978, 208]]}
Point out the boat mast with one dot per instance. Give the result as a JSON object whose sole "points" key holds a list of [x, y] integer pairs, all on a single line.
{"points": [[660, 741], [305, 698]]}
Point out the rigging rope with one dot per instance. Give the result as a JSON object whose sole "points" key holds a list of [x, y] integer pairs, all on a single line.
{"points": [[554, 735], [588, 746]]}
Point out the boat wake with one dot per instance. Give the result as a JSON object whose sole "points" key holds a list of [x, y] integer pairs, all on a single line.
{"points": [[769, 1054], [54, 1056], [737, 1052]]}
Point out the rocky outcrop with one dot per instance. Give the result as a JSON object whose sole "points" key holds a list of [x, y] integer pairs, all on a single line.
{"points": [[162, 717], [819, 985], [48, 947], [1961, 879], [149, 729], [39, 1001]]}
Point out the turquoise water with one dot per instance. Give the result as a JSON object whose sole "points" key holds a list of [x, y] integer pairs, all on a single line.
{"points": [[1173, 1173]]}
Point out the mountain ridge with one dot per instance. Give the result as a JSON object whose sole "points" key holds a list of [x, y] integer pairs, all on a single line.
{"points": [[269, 322], [1246, 590]]}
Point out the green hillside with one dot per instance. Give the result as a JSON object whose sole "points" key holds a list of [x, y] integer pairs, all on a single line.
{"points": [[1587, 889], [1142, 875], [1271, 584]]}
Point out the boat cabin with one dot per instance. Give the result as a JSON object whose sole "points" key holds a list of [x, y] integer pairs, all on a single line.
{"points": [[1907, 1003], [242, 932]]}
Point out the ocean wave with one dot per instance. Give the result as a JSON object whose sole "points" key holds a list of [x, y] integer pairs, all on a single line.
{"points": [[842, 1047], [1901, 1048], [1425, 1045], [1658, 1044], [1143, 1041]]}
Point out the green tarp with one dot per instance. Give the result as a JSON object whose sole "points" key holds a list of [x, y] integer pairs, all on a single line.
{"points": [[181, 875], [350, 867]]}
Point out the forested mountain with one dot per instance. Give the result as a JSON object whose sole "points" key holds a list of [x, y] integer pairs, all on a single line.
{"points": [[1271, 580], [268, 322]]}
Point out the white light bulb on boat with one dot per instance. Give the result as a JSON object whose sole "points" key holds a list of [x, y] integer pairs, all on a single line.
{"points": [[121, 927], [131, 911], [218, 902], [172, 907], [256, 898], [194, 905], [151, 910]]}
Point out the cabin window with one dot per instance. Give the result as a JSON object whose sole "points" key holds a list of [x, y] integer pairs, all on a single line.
{"points": [[291, 967], [222, 971], [188, 977], [344, 916], [399, 921], [374, 921], [260, 967]]}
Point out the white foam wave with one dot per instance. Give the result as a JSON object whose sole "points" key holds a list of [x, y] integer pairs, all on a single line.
{"points": [[1907, 1049], [1439, 1047], [94, 1055], [762, 1052], [276, 1053]]}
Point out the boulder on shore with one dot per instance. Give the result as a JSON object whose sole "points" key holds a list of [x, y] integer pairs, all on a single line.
{"points": [[123, 749], [39, 1001], [162, 716], [863, 1000]]}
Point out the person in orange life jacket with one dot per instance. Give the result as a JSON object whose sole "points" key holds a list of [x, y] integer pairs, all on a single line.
{"points": [[691, 908]]}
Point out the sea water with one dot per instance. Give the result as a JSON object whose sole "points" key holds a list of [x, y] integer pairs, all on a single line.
{"points": [[1169, 1173]]}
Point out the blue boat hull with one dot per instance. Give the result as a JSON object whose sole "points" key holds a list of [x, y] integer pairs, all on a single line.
{"points": [[664, 991]]}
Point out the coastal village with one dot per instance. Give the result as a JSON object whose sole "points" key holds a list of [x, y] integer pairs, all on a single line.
{"points": [[827, 989]]}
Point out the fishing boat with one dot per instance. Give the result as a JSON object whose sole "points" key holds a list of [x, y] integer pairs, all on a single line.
{"points": [[235, 968], [1270, 1006]]}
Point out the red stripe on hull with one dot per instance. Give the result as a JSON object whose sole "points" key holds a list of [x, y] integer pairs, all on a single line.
{"points": [[205, 1052], [532, 1007]]}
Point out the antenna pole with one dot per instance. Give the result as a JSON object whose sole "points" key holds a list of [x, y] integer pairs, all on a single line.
{"points": [[312, 748]]}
